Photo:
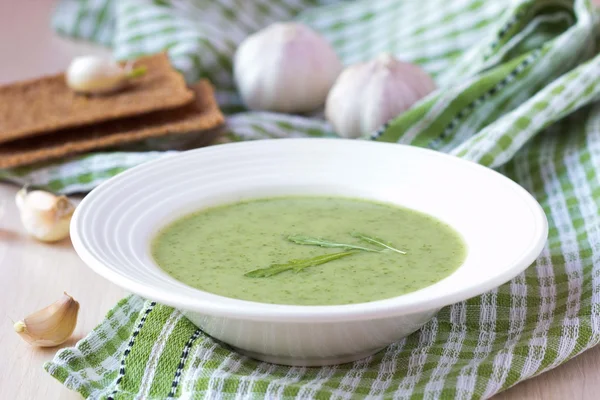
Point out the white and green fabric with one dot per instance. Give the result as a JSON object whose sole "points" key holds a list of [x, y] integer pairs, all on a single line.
{"points": [[517, 82]]}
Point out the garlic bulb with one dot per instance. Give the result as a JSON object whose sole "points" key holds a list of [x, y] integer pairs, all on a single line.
{"points": [[367, 95], [95, 75], [286, 67], [52, 325], [44, 215]]}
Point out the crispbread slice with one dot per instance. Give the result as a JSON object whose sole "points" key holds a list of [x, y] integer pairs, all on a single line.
{"points": [[201, 115], [47, 104]]}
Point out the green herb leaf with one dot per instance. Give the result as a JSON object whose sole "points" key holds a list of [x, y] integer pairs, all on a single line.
{"points": [[312, 241], [296, 265], [376, 241]]}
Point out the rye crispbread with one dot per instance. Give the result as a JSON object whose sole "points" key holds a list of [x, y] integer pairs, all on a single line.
{"points": [[47, 104], [202, 114]]}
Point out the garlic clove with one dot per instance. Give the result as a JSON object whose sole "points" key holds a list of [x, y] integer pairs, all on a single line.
{"points": [[44, 215], [286, 67], [96, 75], [367, 95], [52, 325]]}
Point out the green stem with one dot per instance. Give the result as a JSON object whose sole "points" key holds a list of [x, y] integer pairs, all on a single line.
{"points": [[136, 72]]}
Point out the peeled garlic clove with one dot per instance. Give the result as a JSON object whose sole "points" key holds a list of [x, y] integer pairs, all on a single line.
{"points": [[50, 326], [367, 95], [286, 67], [44, 215], [96, 75]]}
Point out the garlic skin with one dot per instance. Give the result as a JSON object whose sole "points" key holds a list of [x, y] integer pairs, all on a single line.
{"points": [[367, 95], [52, 325], [44, 215], [286, 67], [97, 75]]}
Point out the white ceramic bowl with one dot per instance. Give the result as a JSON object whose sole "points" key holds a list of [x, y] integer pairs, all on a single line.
{"points": [[502, 225]]}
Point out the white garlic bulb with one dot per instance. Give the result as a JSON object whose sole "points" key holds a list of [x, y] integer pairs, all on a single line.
{"points": [[367, 95], [286, 67], [97, 75], [44, 215]]}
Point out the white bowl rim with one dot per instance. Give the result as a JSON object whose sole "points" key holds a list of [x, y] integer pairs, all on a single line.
{"points": [[250, 310]]}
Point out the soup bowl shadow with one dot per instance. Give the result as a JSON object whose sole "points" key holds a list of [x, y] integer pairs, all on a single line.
{"points": [[503, 227]]}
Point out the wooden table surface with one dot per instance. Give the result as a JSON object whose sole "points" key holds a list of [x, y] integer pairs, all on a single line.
{"points": [[33, 275]]}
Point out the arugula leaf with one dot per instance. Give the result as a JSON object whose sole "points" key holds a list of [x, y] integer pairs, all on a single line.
{"points": [[376, 241], [297, 265], [313, 241]]}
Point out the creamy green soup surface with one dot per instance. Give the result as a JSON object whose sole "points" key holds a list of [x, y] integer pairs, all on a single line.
{"points": [[215, 249]]}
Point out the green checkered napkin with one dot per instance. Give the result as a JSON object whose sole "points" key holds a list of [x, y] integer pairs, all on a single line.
{"points": [[518, 81]]}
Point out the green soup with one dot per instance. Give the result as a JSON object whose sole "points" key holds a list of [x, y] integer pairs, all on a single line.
{"points": [[219, 250]]}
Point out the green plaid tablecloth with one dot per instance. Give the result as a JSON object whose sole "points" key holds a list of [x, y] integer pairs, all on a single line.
{"points": [[517, 84]]}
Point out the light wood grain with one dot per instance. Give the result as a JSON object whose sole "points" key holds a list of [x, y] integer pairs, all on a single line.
{"points": [[33, 275]]}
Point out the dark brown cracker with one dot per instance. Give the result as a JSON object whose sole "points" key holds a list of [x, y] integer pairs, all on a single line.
{"points": [[201, 115], [47, 104]]}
